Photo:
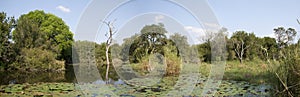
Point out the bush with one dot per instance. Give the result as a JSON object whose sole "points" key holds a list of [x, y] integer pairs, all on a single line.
{"points": [[37, 59], [172, 60], [145, 66], [152, 62]]}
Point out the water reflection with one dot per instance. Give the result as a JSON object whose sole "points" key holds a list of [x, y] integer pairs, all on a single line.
{"points": [[118, 82], [19, 77]]}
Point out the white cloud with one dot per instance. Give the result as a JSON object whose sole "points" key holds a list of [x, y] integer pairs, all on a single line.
{"points": [[63, 9], [212, 25], [271, 35], [195, 30], [159, 18]]}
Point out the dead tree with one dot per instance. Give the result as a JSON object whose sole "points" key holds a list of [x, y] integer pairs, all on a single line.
{"points": [[239, 48], [109, 35], [266, 54]]}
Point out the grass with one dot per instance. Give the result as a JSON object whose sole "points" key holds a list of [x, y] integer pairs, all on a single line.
{"points": [[256, 72]]}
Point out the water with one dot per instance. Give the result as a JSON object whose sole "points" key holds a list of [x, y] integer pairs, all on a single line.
{"points": [[19, 77], [226, 88]]}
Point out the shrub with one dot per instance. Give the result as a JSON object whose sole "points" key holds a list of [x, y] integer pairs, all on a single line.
{"points": [[172, 60], [37, 59]]}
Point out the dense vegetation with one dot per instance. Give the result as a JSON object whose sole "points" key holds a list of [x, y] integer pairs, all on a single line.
{"points": [[39, 41], [36, 41]]}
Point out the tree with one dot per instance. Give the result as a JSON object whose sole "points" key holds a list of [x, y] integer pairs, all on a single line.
{"points": [[239, 48], [284, 37], [6, 50], [38, 29], [204, 51], [109, 34], [241, 44], [299, 38], [252, 53], [125, 48], [183, 46], [210, 40], [268, 47], [150, 41]]}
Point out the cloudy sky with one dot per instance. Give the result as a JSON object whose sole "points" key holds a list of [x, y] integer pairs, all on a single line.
{"points": [[258, 16]]}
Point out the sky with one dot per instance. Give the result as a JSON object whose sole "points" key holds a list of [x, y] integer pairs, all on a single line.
{"points": [[257, 16]]}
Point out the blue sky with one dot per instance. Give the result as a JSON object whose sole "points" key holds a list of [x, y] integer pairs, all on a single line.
{"points": [[258, 16]]}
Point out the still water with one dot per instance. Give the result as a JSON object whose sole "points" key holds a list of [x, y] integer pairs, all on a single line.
{"points": [[19, 77]]}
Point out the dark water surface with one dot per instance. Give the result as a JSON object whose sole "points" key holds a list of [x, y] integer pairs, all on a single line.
{"points": [[19, 77]]}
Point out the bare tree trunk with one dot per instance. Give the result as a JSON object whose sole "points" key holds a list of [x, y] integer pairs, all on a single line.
{"points": [[110, 33], [107, 62], [266, 53], [239, 49]]}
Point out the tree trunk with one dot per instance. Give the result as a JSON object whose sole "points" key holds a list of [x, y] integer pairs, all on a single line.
{"points": [[241, 60], [108, 44], [107, 62]]}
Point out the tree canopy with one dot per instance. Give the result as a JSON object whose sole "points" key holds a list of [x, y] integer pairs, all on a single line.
{"points": [[38, 29], [6, 50]]}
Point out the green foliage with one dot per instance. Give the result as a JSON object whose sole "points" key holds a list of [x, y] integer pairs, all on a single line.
{"points": [[170, 59], [38, 29], [37, 59], [288, 73], [6, 47], [270, 45], [173, 62], [184, 48], [150, 41], [204, 51], [243, 44]]}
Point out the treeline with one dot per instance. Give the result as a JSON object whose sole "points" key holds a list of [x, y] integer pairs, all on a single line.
{"points": [[42, 41], [247, 46]]}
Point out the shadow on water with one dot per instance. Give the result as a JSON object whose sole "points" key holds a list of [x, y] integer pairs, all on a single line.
{"points": [[19, 77]]}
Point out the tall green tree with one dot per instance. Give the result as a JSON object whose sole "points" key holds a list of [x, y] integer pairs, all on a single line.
{"points": [[6, 50], [150, 41], [38, 29]]}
